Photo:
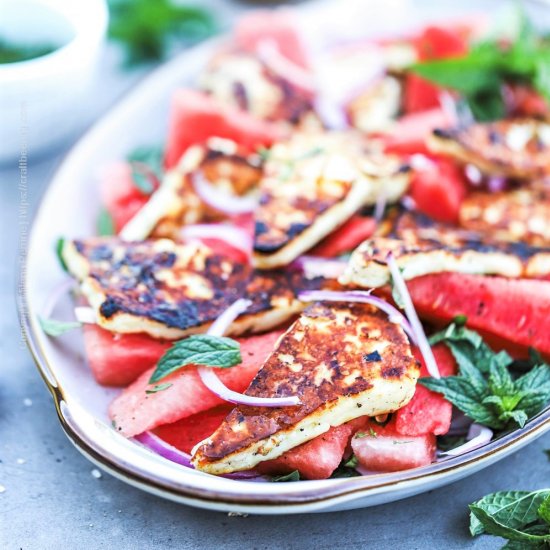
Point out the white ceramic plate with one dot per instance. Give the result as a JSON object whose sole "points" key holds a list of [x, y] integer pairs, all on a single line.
{"points": [[69, 209]]}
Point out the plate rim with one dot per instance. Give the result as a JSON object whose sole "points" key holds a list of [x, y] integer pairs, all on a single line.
{"points": [[284, 498]]}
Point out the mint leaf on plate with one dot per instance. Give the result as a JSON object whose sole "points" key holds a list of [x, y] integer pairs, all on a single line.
{"points": [[199, 349], [56, 328]]}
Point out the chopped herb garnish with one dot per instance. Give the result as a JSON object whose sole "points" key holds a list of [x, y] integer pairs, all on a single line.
{"points": [[397, 442], [199, 349], [10, 52], [372, 433], [159, 387], [486, 389], [56, 328], [146, 163], [352, 462], [293, 476]]}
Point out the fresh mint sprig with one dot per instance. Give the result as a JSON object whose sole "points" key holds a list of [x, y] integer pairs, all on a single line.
{"points": [[486, 389]]}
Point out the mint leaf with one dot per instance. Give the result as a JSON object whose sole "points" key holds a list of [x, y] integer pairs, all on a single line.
{"points": [[105, 224], [352, 462], [199, 349], [544, 510], [147, 168], [293, 476], [56, 328], [506, 510], [60, 243]]}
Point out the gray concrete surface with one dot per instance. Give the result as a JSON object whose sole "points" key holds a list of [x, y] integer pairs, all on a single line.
{"points": [[51, 500]]}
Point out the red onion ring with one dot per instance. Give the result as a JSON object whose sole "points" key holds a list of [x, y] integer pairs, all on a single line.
{"points": [[478, 436], [234, 236], [269, 53], [495, 184], [410, 311], [215, 385], [363, 297], [229, 204], [315, 266]]}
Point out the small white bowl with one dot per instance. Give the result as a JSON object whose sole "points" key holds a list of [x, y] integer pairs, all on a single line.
{"points": [[42, 100]]}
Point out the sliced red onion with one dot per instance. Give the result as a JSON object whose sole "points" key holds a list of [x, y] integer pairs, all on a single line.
{"points": [[220, 200], [495, 184], [473, 174], [380, 206], [171, 453], [478, 436], [362, 297], [459, 112], [85, 315], [57, 293], [314, 266], [410, 311], [269, 53], [215, 385], [233, 235], [332, 113], [160, 447]]}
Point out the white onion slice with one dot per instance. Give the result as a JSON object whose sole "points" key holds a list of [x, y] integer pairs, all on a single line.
{"points": [[220, 200], [478, 436], [362, 297], [234, 236], [85, 315], [410, 311], [215, 385], [315, 266], [269, 53]]}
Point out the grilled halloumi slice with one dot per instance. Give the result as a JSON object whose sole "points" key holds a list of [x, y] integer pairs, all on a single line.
{"points": [[170, 290], [342, 360], [519, 215], [514, 148], [427, 247], [245, 82], [175, 203], [311, 185]]}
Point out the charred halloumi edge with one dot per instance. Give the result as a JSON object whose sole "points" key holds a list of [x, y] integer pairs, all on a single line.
{"points": [[384, 397], [365, 270], [451, 145], [364, 192], [126, 323]]}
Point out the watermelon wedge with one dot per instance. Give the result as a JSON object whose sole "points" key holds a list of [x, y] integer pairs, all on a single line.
{"points": [[135, 411], [187, 432], [316, 459], [510, 313], [278, 26], [428, 412], [196, 117], [346, 238], [118, 359], [385, 450]]}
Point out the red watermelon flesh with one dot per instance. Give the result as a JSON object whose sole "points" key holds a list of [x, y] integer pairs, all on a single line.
{"points": [[187, 432], [119, 194], [278, 26], [195, 117], [427, 412], [118, 359], [385, 450], [135, 411], [316, 459], [512, 313], [346, 238]]}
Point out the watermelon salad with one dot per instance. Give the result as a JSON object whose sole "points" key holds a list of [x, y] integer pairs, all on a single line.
{"points": [[338, 264]]}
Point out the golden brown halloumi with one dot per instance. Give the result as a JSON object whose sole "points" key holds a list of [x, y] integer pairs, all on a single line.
{"points": [[170, 290], [245, 82], [519, 215], [514, 148], [175, 203], [311, 185], [342, 360], [421, 247]]}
